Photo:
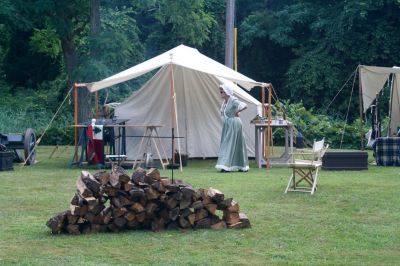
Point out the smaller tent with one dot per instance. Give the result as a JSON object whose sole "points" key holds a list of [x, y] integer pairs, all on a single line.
{"points": [[373, 80], [195, 78]]}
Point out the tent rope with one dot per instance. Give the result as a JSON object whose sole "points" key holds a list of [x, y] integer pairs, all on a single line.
{"points": [[348, 79], [48, 126], [348, 109], [177, 123]]}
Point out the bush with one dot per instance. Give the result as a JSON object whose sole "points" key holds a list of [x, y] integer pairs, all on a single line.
{"points": [[317, 126]]}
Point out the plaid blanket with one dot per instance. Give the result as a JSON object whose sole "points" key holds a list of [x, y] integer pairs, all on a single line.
{"points": [[387, 151]]}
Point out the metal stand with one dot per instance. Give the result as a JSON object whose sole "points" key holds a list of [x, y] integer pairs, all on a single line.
{"points": [[260, 128]]}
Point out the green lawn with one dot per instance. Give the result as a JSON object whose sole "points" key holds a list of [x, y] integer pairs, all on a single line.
{"points": [[353, 219]]}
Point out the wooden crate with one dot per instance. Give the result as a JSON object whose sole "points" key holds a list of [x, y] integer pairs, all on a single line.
{"points": [[6, 160], [345, 160]]}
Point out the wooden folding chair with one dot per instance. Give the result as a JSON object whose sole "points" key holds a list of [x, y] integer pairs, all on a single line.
{"points": [[304, 170]]}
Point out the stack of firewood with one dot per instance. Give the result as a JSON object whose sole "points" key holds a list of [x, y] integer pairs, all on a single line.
{"points": [[113, 201]]}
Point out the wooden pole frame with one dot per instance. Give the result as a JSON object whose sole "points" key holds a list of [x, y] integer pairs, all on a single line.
{"points": [[76, 87], [269, 126], [361, 109], [263, 114]]}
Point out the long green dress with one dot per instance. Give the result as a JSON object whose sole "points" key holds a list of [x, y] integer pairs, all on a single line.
{"points": [[233, 149]]}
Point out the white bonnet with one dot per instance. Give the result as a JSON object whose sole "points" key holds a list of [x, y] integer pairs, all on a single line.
{"points": [[227, 88]]}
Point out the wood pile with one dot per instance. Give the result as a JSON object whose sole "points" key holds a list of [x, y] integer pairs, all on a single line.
{"points": [[113, 201]]}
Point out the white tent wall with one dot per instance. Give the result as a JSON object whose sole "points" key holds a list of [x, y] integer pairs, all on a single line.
{"points": [[198, 109]]}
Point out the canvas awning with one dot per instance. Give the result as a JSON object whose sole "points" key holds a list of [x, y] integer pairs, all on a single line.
{"points": [[182, 56], [373, 79]]}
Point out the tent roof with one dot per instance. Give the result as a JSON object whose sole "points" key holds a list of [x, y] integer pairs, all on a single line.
{"points": [[183, 56]]}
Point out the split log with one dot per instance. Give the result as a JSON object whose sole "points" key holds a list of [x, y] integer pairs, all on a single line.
{"points": [[157, 225], [211, 208], [140, 216], [102, 177], [152, 194], [173, 225], [184, 223], [224, 205], [201, 214], [96, 209], [78, 210], [130, 216], [171, 203], [73, 229], [117, 212], [192, 218], [110, 191], [84, 191], [89, 217], [114, 180], [150, 208], [138, 176], [188, 191], [197, 205], [166, 182], [154, 174], [128, 186], [237, 225], [185, 212], [137, 207], [216, 195], [231, 217], [124, 201], [219, 225], [158, 185], [120, 222], [244, 220], [172, 187], [133, 225], [174, 213], [57, 223], [72, 219], [120, 172], [90, 182], [136, 193], [203, 224], [184, 203]]}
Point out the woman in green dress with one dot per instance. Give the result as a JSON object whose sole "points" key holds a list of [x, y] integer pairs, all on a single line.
{"points": [[233, 150]]}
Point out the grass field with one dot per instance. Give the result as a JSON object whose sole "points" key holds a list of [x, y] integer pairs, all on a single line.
{"points": [[353, 219]]}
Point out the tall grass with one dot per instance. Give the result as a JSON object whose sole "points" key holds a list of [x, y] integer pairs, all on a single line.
{"points": [[17, 120]]}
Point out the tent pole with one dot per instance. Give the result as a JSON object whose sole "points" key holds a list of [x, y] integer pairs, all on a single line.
{"points": [[269, 126], [361, 109], [75, 122], [263, 114], [96, 99], [172, 92], [76, 86]]}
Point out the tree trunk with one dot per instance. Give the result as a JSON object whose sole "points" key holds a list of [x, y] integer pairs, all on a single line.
{"points": [[94, 17]]}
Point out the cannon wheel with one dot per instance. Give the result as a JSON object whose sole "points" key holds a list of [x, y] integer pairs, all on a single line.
{"points": [[29, 144]]}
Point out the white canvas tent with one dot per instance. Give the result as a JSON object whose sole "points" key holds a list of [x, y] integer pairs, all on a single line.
{"points": [[373, 80], [195, 80]]}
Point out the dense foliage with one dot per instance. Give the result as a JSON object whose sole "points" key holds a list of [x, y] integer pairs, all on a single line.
{"points": [[307, 49]]}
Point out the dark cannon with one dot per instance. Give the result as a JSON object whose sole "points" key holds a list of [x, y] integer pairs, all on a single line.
{"points": [[15, 142]]}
